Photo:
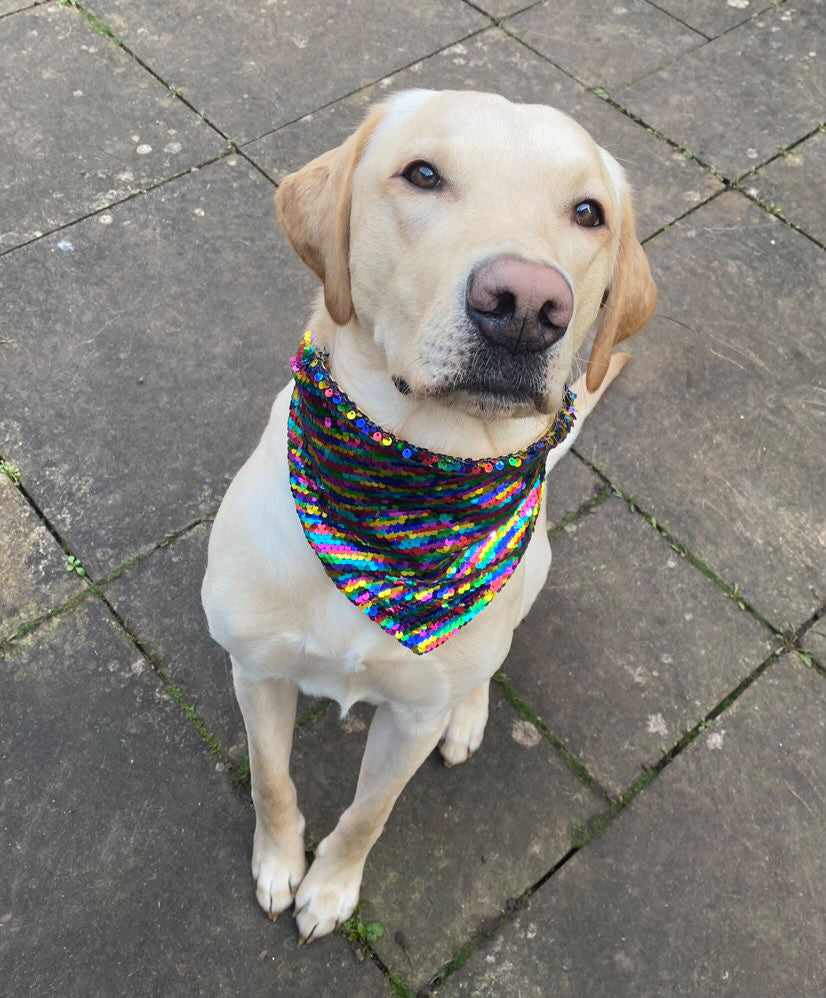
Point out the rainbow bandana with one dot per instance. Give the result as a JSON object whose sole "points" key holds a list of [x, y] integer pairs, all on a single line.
{"points": [[420, 542]]}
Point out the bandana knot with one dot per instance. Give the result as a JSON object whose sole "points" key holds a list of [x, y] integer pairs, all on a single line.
{"points": [[421, 542]]}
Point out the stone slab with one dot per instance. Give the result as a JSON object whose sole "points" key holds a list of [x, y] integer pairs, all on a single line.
{"points": [[126, 854], [665, 183], [628, 645], [499, 9], [789, 182], [253, 67], [706, 885], [33, 576], [737, 100], [725, 446], [460, 842], [168, 327], [602, 43], [713, 17], [82, 124]]}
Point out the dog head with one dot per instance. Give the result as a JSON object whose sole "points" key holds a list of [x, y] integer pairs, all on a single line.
{"points": [[476, 241]]}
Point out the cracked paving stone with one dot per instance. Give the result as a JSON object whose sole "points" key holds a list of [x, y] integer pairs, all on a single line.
{"points": [[711, 16], [168, 332], [705, 885], [82, 125], [665, 183], [717, 426], [628, 646], [743, 96], [790, 182], [604, 43], [460, 842], [33, 576], [253, 67], [122, 841]]}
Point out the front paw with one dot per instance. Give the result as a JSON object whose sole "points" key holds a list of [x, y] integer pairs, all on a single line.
{"points": [[464, 731], [278, 866], [328, 896]]}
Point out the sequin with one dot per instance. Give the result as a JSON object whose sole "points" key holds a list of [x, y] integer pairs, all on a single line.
{"points": [[391, 522]]}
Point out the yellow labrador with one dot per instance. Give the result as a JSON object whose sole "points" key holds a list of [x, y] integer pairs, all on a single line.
{"points": [[466, 246]]}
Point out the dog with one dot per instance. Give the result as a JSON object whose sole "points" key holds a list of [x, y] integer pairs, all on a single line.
{"points": [[466, 247]]}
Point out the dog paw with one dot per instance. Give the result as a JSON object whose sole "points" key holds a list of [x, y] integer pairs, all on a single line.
{"points": [[464, 731], [328, 896], [278, 866]]}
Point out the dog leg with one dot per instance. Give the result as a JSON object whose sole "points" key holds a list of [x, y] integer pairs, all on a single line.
{"points": [[465, 727], [396, 747], [278, 862]]}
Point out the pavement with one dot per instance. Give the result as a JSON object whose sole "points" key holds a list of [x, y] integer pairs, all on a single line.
{"points": [[646, 815]]}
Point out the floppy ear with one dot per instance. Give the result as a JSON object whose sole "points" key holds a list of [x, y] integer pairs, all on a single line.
{"points": [[313, 207], [632, 298]]}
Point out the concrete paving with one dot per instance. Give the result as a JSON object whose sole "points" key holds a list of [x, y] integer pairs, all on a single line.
{"points": [[645, 815]]}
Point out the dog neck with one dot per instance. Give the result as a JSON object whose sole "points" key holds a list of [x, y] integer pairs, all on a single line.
{"points": [[358, 367]]}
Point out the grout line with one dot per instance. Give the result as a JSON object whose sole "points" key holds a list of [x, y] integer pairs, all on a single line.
{"points": [[168, 539], [362, 88], [103, 29], [120, 201], [685, 214], [679, 20], [596, 826], [579, 512], [732, 590], [524, 709], [20, 10]]}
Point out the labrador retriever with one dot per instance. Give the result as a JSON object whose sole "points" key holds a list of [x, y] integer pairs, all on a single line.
{"points": [[466, 246]]}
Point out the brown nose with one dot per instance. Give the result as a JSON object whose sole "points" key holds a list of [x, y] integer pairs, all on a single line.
{"points": [[523, 306]]}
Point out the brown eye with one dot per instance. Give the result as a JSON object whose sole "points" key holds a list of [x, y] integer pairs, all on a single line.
{"points": [[589, 214], [422, 174]]}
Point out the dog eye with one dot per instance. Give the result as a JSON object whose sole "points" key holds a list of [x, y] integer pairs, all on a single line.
{"points": [[589, 214], [422, 174]]}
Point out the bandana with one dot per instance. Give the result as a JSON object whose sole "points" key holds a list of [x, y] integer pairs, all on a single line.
{"points": [[421, 542]]}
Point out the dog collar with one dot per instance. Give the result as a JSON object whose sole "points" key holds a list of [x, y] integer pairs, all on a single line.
{"points": [[421, 542]]}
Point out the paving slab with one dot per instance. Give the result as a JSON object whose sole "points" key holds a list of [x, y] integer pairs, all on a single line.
{"points": [[499, 9], [33, 576], [168, 326], [602, 43], [713, 17], [82, 124], [460, 842], [706, 885], [250, 67], [126, 852], [628, 645], [788, 184], [737, 100], [725, 446], [666, 184]]}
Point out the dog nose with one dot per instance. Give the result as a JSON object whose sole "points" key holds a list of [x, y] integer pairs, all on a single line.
{"points": [[519, 304]]}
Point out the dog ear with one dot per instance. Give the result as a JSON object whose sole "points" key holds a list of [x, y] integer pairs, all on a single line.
{"points": [[631, 298], [313, 207]]}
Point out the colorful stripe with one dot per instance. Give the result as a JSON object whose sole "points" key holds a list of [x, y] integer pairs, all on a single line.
{"points": [[421, 542]]}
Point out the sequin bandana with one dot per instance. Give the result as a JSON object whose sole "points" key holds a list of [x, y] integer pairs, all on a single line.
{"points": [[421, 542]]}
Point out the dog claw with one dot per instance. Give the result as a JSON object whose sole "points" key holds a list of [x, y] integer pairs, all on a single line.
{"points": [[306, 940]]}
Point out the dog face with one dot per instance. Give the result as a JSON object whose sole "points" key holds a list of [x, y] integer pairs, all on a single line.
{"points": [[475, 241]]}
